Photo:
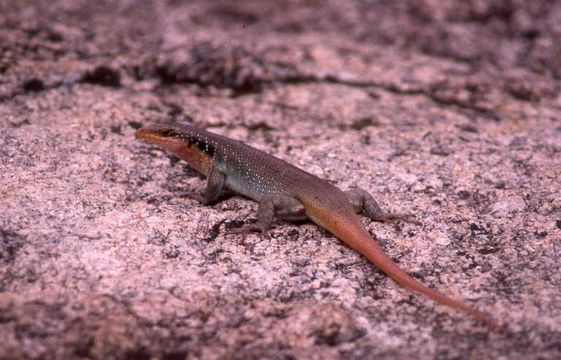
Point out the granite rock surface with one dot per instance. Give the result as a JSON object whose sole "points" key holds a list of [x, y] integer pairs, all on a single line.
{"points": [[450, 110]]}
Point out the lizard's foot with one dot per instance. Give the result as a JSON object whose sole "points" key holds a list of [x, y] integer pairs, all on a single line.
{"points": [[364, 203], [197, 197], [249, 228], [194, 196], [390, 217]]}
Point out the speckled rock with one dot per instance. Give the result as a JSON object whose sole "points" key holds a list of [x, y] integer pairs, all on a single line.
{"points": [[447, 110]]}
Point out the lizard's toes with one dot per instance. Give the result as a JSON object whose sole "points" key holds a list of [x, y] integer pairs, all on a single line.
{"points": [[410, 218], [195, 197], [249, 228]]}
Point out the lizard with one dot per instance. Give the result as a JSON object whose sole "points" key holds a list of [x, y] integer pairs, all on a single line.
{"points": [[289, 193]]}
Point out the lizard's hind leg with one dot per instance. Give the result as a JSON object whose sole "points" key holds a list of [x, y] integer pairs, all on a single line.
{"points": [[364, 203]]}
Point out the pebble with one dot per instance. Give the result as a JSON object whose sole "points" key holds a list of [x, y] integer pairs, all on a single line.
{"points": [[508, 206], [439, 238]]}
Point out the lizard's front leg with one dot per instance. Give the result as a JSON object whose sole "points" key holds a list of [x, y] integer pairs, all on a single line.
{"points": [[214, 186], [271, 205], [364, 203]]}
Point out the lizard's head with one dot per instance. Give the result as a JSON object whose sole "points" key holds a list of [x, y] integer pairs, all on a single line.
{"points": [[183, 141], [158, 135]]}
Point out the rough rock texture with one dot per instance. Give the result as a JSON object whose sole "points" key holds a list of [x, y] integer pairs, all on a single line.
{"points": [[450, 109]]}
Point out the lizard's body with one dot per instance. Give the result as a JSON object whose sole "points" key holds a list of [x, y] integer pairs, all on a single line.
{"points": [[289, 193]]}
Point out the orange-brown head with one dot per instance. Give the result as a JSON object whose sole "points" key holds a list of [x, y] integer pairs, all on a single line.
{"points": [[187, 143]]}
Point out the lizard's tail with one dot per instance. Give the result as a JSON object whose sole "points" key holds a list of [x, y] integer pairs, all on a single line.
{"points": [[351, 231]]}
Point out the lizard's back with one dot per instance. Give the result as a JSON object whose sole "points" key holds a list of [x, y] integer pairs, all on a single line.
{"points": [[272, 175]]}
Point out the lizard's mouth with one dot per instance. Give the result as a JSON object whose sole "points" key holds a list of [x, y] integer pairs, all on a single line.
{"points": [[141, 134], [151, 134], [144, 134]]}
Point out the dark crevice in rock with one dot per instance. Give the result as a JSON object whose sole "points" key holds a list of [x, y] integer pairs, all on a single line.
{"points": [[10, 243], [104, 76], [33, 85]]}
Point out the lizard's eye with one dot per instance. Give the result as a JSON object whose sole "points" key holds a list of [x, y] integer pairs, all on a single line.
{"points": [[168, 132]]}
